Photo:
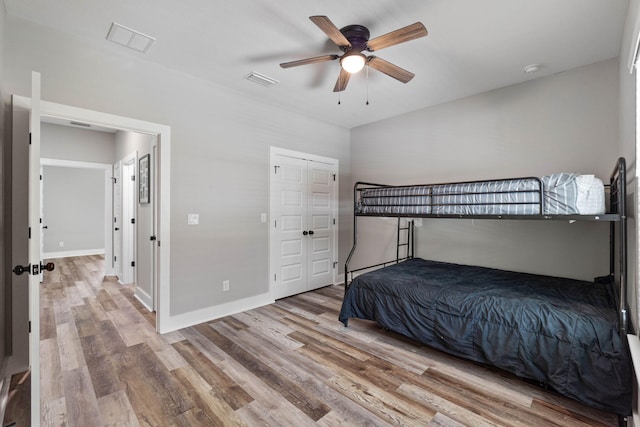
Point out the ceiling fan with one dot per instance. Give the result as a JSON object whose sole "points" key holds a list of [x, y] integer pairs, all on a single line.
{"points": [[353, 40]]}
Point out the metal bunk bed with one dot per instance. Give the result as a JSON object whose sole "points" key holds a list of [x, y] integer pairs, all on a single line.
{"points": [[430, 207]]}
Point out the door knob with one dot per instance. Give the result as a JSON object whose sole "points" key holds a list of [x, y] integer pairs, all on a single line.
{"points": [[48, 266], [29, 269], [304, 233], [310, 232], [19, 269]]}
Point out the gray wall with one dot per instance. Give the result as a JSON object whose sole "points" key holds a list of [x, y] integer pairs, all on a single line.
{"points": [[565, 122], [19, 360], [5, 224], [73, 205], [73, 209], [220, 153], [81, 145], [627, 148]]}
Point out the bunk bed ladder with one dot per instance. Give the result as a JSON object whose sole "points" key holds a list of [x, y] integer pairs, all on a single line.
{"points": [[407, 242]]}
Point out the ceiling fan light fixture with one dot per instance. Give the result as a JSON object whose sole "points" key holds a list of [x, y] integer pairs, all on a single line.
{"points": [[353, 62]]}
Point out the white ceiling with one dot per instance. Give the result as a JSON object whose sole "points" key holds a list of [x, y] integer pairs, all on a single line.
{"points": [[472, 47]]}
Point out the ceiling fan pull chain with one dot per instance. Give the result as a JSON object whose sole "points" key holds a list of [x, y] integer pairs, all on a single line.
{"points": [[367, 77]]}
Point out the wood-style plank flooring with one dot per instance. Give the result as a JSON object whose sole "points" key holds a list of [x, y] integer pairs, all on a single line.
{"points": [[287, 364]]}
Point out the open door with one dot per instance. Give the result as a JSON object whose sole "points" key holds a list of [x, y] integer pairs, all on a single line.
{"points": [[34, 264], [34, 248]]}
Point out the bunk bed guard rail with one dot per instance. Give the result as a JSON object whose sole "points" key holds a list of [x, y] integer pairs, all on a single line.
{"points": [[523, 200]]}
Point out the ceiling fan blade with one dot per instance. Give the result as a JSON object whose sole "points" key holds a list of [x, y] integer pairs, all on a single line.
{"points": [[309, 61], [390, 69], [405, 34], [343, 80], [330, 30]]}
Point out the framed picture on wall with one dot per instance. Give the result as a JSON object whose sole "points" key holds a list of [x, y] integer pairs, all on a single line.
{"points": [[144, 180]]}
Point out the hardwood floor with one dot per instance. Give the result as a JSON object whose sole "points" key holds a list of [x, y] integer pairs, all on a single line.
{"points": [[288, 364]]}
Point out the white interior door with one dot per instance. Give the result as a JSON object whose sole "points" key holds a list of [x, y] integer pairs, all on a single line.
{"points": [[320, 214], [302, 239], [117, 219], [128, 219], [42, 226], [289, 222], [34, 248]]}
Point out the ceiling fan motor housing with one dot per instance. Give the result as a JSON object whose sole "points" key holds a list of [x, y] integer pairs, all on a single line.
{"points": [[358, 36]]}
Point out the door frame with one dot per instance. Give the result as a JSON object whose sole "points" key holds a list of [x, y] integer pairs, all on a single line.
{"points": [[108, 199], [129, 218], [302, 156], [163, 133]]}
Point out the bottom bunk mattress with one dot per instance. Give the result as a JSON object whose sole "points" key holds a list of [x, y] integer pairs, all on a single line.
{"points": [[561, 332]]}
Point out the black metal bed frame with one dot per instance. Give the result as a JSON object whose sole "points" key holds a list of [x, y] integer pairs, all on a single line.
{"points": [[617, 213]]}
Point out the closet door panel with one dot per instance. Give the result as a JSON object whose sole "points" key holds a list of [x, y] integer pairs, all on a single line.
{"points": [[290, 221], [320, 220]]}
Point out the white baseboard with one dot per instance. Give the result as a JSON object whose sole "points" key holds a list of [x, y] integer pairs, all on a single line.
{"points": [[185, 320], [144, 298], [67, 254]]}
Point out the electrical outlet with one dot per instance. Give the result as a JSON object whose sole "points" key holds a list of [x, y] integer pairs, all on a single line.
{"points": [[225, 285], [61, 244]]}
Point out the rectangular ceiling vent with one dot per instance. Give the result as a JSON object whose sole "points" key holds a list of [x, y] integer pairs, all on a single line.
{"points": [[84, 125], [130, 38], [261, 79]]}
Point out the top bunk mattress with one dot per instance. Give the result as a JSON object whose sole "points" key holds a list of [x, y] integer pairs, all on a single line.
{"points": [[557, 194]]}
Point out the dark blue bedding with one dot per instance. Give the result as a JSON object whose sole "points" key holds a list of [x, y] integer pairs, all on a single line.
{"points": [[561, 332]]}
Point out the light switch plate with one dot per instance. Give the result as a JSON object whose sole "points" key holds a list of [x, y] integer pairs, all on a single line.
{"points": [[263, 217], [193, 219]]}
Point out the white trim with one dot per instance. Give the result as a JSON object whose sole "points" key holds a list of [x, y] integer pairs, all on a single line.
{"points": [[68, 254], [50, 109], [634, 349], [180, 321], [108, 201], [633, 21], [305, 156], [143, 297], [45, 161]]}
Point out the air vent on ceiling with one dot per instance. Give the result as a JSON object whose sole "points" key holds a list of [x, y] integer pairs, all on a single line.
{"points": [[261, 79], [84, 125], [130, 38]]}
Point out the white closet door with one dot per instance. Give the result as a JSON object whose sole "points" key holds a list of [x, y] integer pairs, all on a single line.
{"points": [[302, 247], [320, 211], [289, 221]]}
